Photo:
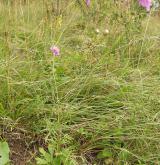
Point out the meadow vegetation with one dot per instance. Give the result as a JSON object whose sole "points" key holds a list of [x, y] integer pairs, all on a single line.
{"points": [[98, 102]]}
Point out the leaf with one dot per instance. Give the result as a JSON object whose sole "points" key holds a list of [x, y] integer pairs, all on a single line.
{"points": [[51, 150], [1, 107], [123, 155], [41, 161], [57, 161], [42, 151], [46, 156], [104, 154], [4, 153]]}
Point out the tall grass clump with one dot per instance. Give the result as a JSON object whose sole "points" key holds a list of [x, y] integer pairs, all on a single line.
{"points": [[97, 102]]}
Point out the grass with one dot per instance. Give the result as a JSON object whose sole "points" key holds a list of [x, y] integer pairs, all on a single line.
{"points": [[98, 102]]}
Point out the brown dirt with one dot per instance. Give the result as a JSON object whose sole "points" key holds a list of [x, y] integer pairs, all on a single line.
{"points": [[23, 146]]}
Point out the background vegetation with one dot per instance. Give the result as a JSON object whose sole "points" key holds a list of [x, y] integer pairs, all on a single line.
{"points": [[98, 102]]}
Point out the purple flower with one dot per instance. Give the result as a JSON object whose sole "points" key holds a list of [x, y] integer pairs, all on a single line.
{"points": [[88, 2], [146, 4], [55, 50]]}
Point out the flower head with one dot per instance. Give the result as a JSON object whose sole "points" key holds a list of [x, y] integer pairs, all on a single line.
{"points": [[88, 2], [55, 50], [146, 4], [106, 31], [97, 31]]}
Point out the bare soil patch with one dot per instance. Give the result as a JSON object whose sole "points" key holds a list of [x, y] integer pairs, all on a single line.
{"points": [[23, 146]]}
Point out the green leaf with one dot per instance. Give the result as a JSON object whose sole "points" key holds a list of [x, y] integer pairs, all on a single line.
{"points": [[4, 153], [42, 151], [1, 107], [57, 161], [104, 154], [46, 156], [123, 155], [51, 149], [41, 161]]}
